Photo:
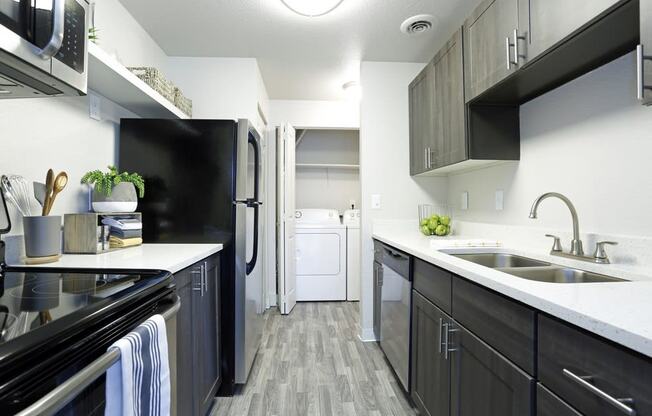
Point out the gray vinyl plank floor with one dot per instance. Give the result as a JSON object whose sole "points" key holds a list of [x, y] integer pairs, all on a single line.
{"points": [[312, 362]]}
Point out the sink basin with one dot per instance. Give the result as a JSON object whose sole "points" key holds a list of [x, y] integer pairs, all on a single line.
{"points": [[499, 260], [560, 275]]}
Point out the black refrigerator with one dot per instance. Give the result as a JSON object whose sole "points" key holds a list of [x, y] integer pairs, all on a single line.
{"points": [[202, 180]]}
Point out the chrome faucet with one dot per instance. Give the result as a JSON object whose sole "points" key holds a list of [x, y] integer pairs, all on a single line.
{"points": [[576, 243], [576, 251]]}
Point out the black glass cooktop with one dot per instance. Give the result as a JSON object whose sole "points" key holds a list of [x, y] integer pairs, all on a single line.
{"points": [[31, 299]]}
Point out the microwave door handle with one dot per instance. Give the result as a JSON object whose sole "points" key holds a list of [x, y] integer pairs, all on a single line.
{"points": [[58, 23]]}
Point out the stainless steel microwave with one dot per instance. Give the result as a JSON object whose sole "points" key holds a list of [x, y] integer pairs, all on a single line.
{"points": [[43, 48]]}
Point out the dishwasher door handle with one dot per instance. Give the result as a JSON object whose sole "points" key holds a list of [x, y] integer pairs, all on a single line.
{"points": [[56, 399]]}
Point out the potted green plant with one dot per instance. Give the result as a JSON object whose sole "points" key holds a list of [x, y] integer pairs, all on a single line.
{"points": [[114, 191]]}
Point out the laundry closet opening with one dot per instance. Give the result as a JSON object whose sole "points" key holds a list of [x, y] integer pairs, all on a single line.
{"points": [[322, 241]]}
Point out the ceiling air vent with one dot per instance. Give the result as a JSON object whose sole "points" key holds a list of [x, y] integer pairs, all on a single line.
{"points": [[417, 25]]}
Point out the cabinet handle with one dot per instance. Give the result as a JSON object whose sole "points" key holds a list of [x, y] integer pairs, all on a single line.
{"points": [[447, 349], [517, 54], [508, 47], [441, 337], [425, 158], [624, 405], [205, 277], [640, 72], [200, 272]]}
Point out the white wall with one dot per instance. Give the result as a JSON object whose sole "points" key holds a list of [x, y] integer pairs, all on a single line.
{"points": [[332, 188], [590, 140], [384, 160], [122, 36], [315, 114]]}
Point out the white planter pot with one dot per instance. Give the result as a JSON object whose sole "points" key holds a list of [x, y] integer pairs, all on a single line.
{"points": [[123, 198]]}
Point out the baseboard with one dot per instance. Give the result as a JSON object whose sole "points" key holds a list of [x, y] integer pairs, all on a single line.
{"points": [[367, 335]]}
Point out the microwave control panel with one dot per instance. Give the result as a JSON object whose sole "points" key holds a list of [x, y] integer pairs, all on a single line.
{"points": [[72, 52]]}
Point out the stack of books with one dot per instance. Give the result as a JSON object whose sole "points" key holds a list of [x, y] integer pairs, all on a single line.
{"points": [[124, 231]]}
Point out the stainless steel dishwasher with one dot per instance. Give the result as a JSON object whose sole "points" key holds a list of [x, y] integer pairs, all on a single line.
{"points": [[395, 306]]}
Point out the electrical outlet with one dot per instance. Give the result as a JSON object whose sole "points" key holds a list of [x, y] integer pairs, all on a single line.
{"points": [[500, 200], [94, 107], [464, 203], [376, 201]]}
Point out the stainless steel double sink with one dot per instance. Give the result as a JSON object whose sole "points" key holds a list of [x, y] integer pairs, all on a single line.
{"points": [[536, 270]]}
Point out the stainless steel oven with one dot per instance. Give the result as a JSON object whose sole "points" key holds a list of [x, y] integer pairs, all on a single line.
{"points": [[43, 48]]}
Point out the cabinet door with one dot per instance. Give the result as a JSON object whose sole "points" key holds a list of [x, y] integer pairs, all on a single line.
{"points": [[484, 383], [431, 369], [449, 144], [421, 102], [378, 283], [548, 404], [488, 34], [644, 65], [185, 351], [550, 21], [207, 323]]}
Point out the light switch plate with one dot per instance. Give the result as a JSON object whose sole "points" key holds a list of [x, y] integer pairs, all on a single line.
{"points": [[94, 107], [464, 203], [500, 199], [376, 201]]}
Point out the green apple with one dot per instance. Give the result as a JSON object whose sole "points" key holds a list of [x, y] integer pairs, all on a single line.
{"points": [[424, 222], [432, 224], [445, 220], [441, 230], [434, 217], [425, 230]]}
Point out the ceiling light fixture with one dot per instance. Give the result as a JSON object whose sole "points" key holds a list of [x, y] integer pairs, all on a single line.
{"points": [[312, 8], [352, 90]]}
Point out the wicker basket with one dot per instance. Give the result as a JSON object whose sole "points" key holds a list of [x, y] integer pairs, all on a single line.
{"points": [[182, 102], [155, 79]]}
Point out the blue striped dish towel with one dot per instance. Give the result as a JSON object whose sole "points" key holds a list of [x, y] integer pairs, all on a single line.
{"points": [[139, 383]]}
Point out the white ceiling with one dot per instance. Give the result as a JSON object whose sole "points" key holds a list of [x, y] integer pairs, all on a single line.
{"points": [[299, 57]]}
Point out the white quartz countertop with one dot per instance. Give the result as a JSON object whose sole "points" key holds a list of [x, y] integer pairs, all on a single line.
{"points": [[618, 311], [170, 257]]}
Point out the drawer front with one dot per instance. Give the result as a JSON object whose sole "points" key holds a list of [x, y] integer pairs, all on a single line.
{"points": [[433, 283], [590, 373], [549, 404], [506, 325]]}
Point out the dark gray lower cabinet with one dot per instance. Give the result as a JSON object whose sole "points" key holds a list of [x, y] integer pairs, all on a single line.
{"points": [[484, 383], [198, 370], [431, 368], [548, 404]]}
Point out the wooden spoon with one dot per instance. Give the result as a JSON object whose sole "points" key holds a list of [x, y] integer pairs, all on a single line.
{"points": [[60, 183], [49, 185]]}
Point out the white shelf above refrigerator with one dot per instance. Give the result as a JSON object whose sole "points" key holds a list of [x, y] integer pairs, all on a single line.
{"points": [[112, 80], [327, 166]]}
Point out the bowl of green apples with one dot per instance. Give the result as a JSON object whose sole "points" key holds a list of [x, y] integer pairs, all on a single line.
{"points": [[438, 225]]}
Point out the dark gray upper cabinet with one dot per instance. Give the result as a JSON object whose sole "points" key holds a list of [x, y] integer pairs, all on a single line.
{"points": [[421, 96], [484, 383], [431, 367], [643, 54], [449, 142], [489, 58], [544, 23]]}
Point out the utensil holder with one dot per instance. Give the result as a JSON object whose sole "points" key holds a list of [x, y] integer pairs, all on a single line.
{"points": [[42, 235]]}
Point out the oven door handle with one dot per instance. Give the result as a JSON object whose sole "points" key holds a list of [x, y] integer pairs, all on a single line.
{"points": [[56, 399], [58, 23]]}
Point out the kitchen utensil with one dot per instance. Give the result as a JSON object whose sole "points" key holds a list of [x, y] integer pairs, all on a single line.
{"points": [[60, 183], [39, 192], [49, 185], [20, 190], [7, 190]]}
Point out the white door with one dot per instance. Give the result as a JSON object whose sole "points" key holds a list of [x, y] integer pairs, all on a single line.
{"points": [[287, 276]]}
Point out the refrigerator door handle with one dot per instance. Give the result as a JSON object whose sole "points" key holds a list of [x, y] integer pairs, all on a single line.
{"points": [[254, 144], [251, 264]]}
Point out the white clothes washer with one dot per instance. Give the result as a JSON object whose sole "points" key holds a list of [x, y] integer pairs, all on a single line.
{"points": [[351, 220], [321, 255]]}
